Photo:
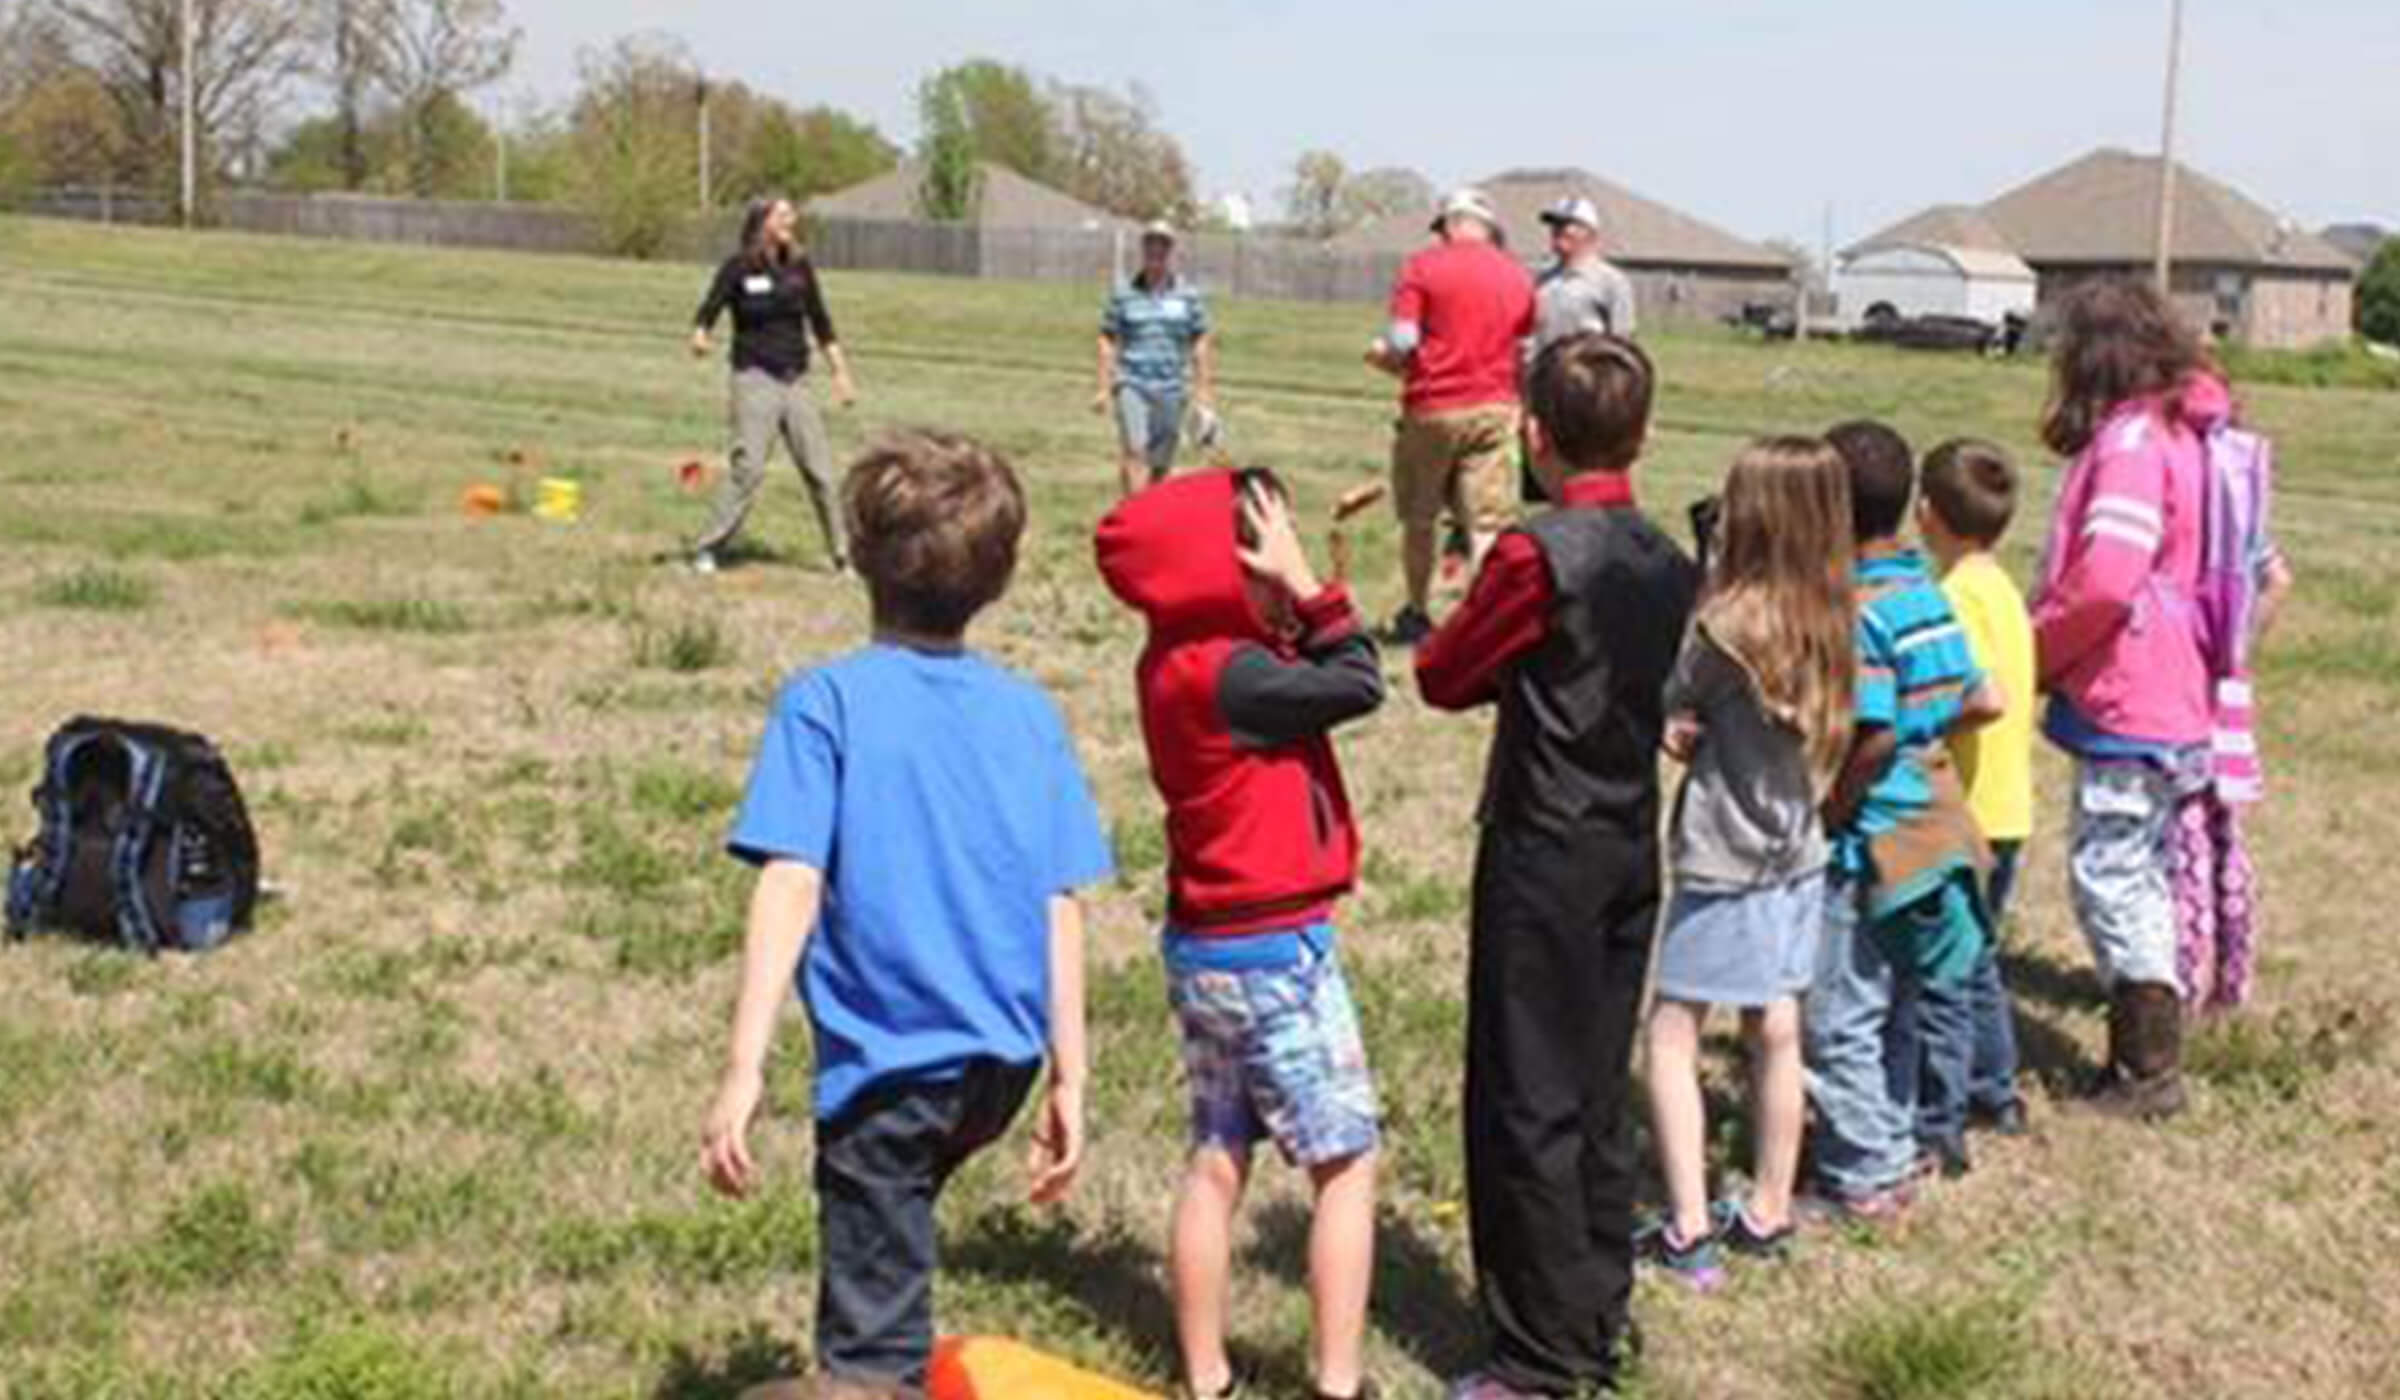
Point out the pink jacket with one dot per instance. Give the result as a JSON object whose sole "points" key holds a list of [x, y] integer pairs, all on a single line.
{"points": [[2114, 620]]}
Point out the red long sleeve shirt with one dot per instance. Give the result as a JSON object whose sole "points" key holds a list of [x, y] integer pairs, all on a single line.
{"points": [[1507, 612]]}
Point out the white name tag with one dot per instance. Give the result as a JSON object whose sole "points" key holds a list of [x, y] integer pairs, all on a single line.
{"points": [[758, 284]]}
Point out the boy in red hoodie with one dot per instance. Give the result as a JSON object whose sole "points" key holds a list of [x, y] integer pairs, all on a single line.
{"points": [[1250, 663], [1570, 631]]}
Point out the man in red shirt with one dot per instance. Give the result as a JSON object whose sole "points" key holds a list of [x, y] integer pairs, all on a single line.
{"points": [[1459, 312]]}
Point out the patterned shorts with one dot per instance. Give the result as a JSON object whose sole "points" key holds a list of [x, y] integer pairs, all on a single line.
{"points": [[1276, 1053]]}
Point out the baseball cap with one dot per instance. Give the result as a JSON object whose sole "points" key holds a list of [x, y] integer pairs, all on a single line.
{"points": [[1469, 201], [1159, 228], [1575, 209]]}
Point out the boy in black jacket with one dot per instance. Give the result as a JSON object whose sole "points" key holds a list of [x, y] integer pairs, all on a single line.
{"points": [[1571, 628]]}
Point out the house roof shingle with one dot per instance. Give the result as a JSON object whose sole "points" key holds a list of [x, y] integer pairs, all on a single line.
{"points": [[2103, 209]]}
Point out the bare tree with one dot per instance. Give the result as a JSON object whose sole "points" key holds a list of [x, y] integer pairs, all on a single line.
{"points": [[426, 54], [1111, 152], [1313, 200], [244, 52], [1386, 190]]}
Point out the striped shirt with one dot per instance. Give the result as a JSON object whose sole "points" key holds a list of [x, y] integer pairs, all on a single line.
{"points": [[1915, 671]]}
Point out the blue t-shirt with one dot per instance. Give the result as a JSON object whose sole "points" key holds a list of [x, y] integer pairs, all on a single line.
{"points": [[1915, 670], [941, 799], [1155, 331]]}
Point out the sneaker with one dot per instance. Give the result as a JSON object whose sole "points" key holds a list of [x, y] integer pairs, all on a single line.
{"points": [[1875, 1209], [1737, 1233], [1409, 626], [704, 562], [1946, 1159], [1697, 1264], [1233, 1389]]}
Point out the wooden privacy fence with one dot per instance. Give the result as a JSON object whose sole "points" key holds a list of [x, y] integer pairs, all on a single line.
{"points": [[1227, 264]]}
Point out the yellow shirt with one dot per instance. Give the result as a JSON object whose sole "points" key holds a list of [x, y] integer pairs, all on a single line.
{"points": [[1996, 761]]}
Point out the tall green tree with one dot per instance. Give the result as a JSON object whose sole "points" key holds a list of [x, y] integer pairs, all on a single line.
{"points": [[1312, 201], [2379, 295], [1008, 117], [947, 179], [632, 147], [806, 153]]}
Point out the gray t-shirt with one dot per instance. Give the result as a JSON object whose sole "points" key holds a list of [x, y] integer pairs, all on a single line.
{"points": [[1747, 816], [1571, 298]]}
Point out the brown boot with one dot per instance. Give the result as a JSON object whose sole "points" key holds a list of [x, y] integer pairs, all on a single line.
{"points": [[2144, 1078]]}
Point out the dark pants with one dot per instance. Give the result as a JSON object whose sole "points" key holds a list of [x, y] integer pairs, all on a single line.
{"points": [[880, 1167], [1963, 1038], [1561, 937]]}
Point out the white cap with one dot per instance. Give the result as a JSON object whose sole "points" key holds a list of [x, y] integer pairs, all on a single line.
{"points": [[1159, 228], [1468, 201], [1575, 209]]}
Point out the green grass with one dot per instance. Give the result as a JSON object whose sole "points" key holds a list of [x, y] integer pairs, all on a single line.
{"points": [[1913, 1349], [692, 644], [429, 1131], [97, 589], [422, 615]]}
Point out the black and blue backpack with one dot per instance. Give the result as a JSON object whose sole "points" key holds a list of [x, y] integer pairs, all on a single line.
{"points": [[144, 841]]}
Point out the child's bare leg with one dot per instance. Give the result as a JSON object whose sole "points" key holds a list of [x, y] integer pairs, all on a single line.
{"points": [[1776, 1094], [1341, 1268], [1678, 1119], [1199, 1257]]}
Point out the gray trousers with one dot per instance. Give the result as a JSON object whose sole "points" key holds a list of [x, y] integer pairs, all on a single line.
{"points": [[764, 408]]}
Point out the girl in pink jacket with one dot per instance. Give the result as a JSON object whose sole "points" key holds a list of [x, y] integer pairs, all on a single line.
{"points": [[2122, 652]]}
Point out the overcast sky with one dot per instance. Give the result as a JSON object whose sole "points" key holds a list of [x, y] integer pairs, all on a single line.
{"points": [[1753, 114]]}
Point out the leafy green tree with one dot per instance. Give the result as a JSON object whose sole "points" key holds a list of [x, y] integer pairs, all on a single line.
{"points": [[1008, 118], [632, 153], [807, 153], [947, 178], [2379, 295]]}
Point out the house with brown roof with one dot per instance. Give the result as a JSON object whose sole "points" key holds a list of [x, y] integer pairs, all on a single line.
{"points": [[1682, 267], [2238, 268]]}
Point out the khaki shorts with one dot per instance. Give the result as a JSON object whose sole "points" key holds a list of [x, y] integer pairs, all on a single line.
{"points": [[1464, 458]]}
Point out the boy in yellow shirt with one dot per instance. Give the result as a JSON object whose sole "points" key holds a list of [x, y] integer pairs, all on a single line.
{"points": [[1968, 495]]}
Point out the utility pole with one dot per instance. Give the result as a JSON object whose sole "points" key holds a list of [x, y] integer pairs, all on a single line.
{"points": [[191, 146], [700, 98], [2165, 254]]}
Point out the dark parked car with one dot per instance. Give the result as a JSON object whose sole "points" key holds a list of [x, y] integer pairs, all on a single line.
{"points": [[1941, 332]]}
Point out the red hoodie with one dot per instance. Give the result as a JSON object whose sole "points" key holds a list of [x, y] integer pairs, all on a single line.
{"points": [[1259, 832]]}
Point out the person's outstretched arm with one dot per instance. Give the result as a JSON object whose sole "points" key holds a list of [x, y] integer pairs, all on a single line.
{"points": [[1506, 614], [783, 908]]}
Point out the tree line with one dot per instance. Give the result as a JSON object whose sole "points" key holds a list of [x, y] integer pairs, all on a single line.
{"points": [[398, 98]]}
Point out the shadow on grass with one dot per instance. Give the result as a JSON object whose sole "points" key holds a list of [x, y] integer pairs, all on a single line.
{"points": [[1113, 1280], [739, 1360], [2046, 979], [1419, 1301], [2052, 1057]]}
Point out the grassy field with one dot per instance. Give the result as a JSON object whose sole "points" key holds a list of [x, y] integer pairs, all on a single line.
{"points": [[432, 1129]]}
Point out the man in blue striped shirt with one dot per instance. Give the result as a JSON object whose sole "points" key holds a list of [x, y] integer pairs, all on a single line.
{"points": [[1156, 350], [1904, 920]]}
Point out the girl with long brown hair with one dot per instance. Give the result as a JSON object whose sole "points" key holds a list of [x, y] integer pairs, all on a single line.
{"points": [[1759, 708], [2121, 651]]}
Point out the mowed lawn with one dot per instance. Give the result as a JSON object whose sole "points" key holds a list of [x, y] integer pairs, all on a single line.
{"points": [[432, 1129]]}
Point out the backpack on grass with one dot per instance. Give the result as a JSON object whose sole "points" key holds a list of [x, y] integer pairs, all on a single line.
{"points": [[144, 841]]}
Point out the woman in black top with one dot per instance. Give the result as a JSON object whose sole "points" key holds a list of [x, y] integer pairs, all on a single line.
{"points": [[777, 305]]}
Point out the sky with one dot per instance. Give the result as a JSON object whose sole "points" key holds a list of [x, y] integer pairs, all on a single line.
{"points": [[1759, 117]]}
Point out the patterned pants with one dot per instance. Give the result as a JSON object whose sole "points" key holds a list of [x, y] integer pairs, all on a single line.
{"points": [[2216, 905]]}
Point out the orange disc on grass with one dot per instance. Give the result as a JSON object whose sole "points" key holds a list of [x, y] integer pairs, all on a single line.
{"points": [[994, 1368]]}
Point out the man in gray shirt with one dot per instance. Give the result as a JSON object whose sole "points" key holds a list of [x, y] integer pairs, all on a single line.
{"points": [[1582, 291]]}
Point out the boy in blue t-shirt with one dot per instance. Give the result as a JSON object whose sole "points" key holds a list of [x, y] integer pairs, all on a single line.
{"points": [[1904, 922], [921, 822]]}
